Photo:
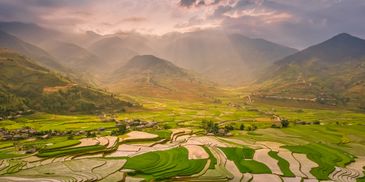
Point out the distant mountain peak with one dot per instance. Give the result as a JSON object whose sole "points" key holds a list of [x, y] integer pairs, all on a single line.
{"points": [[343, 35], [148, 59], [344, 38], [152, 64], [149, 75], [341, 47]]}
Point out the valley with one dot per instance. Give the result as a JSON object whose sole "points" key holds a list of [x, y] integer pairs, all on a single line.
{"points": [[89, 143], [214, 91]]}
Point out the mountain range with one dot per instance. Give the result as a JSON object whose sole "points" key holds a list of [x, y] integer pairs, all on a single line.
{"points": [[193, 65], [39, 55], [148, 75], [228, 59], [331, 72], [26, 85]]}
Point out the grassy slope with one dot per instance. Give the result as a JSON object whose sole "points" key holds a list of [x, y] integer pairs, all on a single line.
{"points": [[150, 76], [69, 151], [327, 158], [213, 160], [242, 157], [24, 84], [165, 164], [67, 143], [283, 164]]}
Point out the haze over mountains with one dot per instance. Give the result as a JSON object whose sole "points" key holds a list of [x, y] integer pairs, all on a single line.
{"points": [[25, 85], [40, 56], [148, 75], [332, 71], [228, 59], [196, 64]]}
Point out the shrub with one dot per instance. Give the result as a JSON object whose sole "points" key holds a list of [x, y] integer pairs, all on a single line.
{"points": [[242, 127], [284, 123]]}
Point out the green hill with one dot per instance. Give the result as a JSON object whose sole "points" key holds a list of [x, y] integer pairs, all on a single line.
{"points": [[148, 75], [332, 73], [24, 85], [38, 55]]}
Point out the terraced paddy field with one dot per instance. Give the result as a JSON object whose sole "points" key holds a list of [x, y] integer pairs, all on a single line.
{"points": [[330, 146]]}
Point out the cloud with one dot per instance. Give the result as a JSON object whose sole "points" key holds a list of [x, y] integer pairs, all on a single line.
{"points": [[189, 3], [199, 3], [296, 23]]}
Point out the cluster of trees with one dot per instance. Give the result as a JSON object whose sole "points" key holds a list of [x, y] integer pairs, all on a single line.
{"points": [[248, 128], [121, 129], [284, 123], [212, 127], [10, 103], [78, 99]]}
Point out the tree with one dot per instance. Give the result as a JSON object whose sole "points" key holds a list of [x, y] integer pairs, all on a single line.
{"points": [[215, 128], [242, 126], [229, 128], [284, 123], [114, 133], [122, 128]]}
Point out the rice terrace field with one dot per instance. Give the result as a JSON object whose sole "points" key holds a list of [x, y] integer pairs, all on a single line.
{"points": [[328, 146], [182, 90]]}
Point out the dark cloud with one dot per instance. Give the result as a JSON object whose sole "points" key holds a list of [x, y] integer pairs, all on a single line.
{"points": [[198, 3], [187, 3], [296, 23]]}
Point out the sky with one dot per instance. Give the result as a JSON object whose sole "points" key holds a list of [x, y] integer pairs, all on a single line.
{"points": [[294, 23]]}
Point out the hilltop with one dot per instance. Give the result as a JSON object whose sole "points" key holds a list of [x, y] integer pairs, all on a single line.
{"points": [[332, 72], [148, 75], [26, 85]]}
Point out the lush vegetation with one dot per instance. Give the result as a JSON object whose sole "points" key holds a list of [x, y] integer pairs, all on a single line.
{"points": [[25, 85], [67, 143], [70, 151], [242, 157], [213, 160], [283, 164], [165, 164], [326, 157]]}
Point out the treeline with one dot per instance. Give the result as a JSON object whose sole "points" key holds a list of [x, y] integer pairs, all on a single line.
{"points": [[78, 99], [75, 99], [211, 127], [10, 104]]}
